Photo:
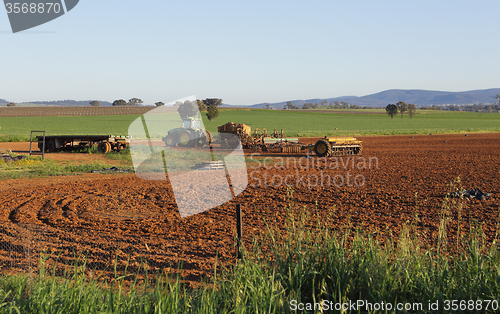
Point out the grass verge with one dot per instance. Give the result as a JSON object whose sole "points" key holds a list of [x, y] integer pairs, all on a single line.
{"points": [[304, 267], [36, 167]]}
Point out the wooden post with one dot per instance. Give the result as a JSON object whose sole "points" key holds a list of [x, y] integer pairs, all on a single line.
{"points": [[239, 230]]}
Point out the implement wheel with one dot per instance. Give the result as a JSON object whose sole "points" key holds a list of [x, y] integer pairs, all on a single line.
{"points": [[322, 148]]}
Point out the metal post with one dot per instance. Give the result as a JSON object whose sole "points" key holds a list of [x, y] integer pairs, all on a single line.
{"points": [[239, 230], [43, 143], [43, 146], [31, 141]]}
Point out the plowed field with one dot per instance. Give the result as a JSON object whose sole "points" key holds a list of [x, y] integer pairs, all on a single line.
{"points": [[396, 180]]}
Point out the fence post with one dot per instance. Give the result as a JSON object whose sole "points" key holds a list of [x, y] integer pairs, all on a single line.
{"points": [[239, 230]]}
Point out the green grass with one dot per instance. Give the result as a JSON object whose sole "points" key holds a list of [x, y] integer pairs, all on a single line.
{"points": [[20, 127], [36, 167], [294, 123], [310, 123], [304, 260]]}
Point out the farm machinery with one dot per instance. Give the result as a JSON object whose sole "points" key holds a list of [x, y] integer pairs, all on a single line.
{"points": [[190, 134], [260, 139], [337, 146]]}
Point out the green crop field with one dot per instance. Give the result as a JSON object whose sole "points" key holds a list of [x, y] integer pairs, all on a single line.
{"points": [[14, 128], [310, 123], [294, 123]]}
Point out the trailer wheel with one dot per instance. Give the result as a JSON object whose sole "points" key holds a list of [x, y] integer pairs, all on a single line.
{"points": [[102, 147], [322, 148], [51, 146]]}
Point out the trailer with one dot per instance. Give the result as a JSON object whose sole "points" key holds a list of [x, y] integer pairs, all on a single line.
{"points": [[105, 143]]}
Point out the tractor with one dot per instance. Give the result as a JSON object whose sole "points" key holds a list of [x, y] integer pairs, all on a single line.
{"points": [[190, 134]]}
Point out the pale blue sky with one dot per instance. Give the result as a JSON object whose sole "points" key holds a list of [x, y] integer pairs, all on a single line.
{"points": [[250, 52]]}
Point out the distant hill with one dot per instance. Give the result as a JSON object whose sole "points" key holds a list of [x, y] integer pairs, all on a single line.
{"points": [[3, 101], [418, 97]]}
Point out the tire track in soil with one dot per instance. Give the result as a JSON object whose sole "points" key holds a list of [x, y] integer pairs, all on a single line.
{"points": [[137, 220]]}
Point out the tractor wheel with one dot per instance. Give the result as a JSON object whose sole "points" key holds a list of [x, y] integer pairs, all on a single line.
{"points": [[185, 139], [170, 141], [102, 147], [322, 148], [51, 146]]}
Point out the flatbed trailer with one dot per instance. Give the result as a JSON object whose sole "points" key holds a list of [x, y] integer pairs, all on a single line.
{"points": [[105, 143]]}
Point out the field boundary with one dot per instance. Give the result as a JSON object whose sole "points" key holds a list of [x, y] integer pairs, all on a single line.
{"points": [[72, 111]]}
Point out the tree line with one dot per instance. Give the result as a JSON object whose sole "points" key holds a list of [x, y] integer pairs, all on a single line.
{"points": [[323, 105], [186, 109], [401, 107], [191, 108]]}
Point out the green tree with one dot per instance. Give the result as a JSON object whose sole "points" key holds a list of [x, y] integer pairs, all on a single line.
{"points": [[11, 104], [392, 110], [268, 106], [158, 104], [289, 105], [498, 97], [119, 102], [212, 112], [213, 101], [201, 105], [402, 107], [95, 103], [134, 102], [307, 105], [411, 110], [188, 109]]}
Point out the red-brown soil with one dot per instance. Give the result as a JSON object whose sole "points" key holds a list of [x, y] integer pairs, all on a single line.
{"points": [[101, 215]]}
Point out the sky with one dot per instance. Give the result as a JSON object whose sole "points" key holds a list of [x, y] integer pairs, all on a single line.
{"points": [[249, 52]]}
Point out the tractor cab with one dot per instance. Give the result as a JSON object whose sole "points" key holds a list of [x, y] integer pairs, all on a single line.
{"points": [[191, 123]]}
